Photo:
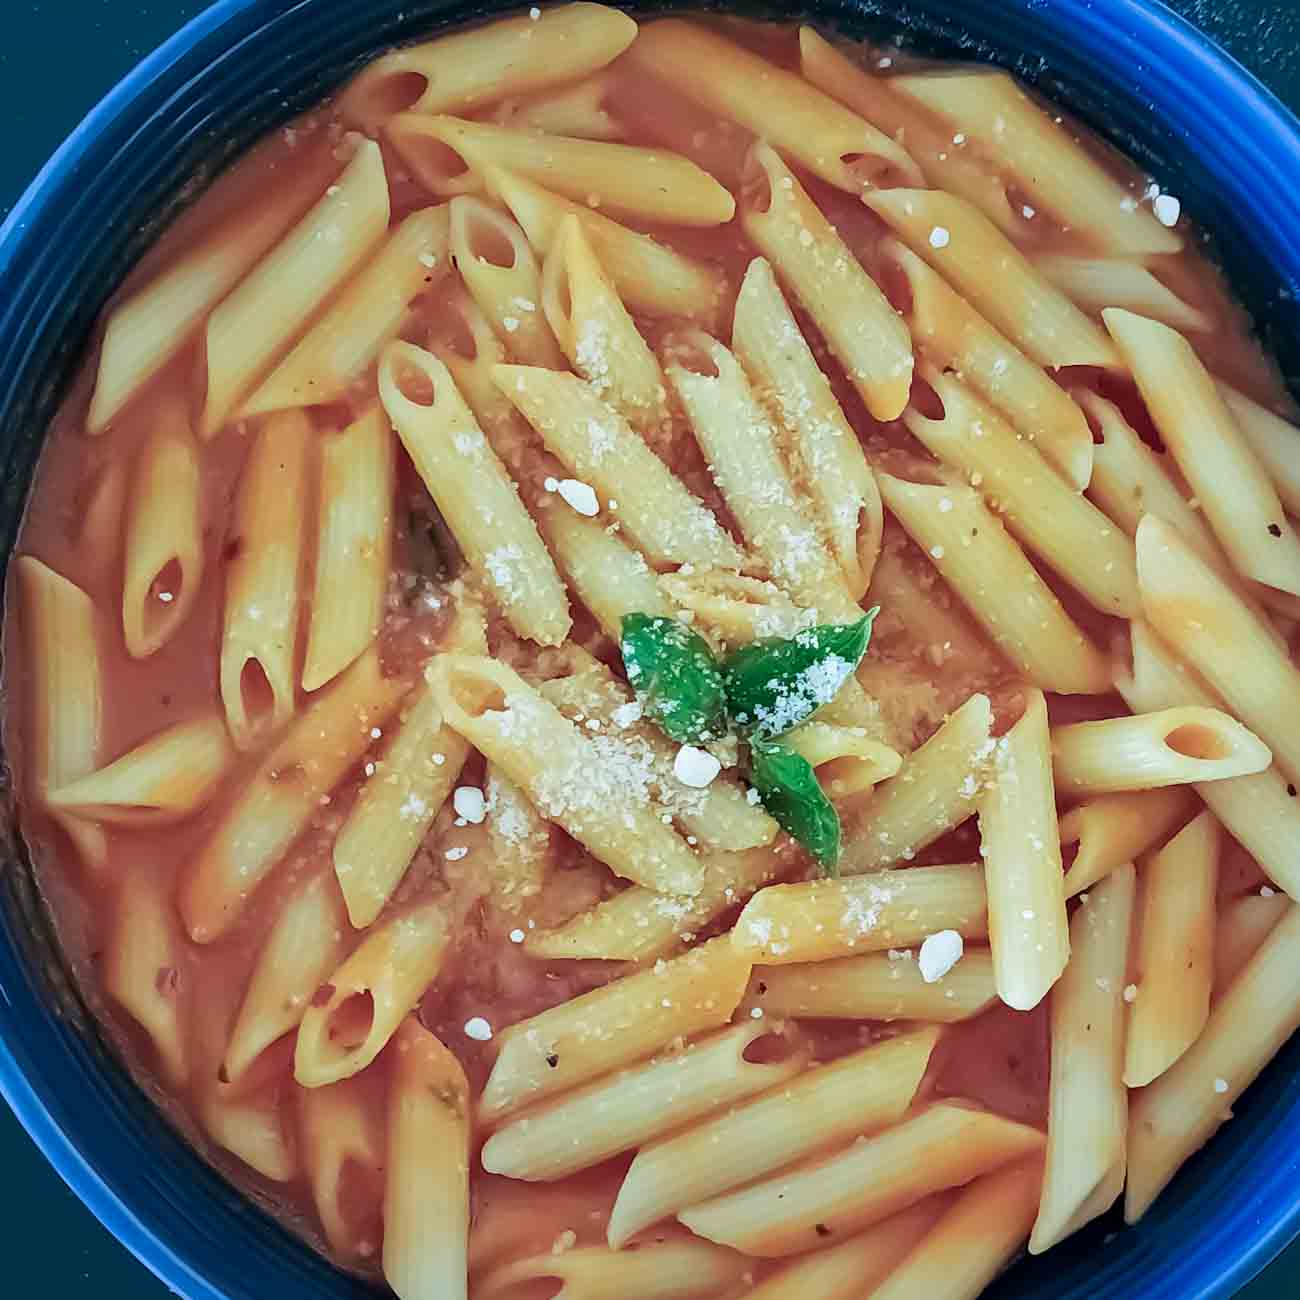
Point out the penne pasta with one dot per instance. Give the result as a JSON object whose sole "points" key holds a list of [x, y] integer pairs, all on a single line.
{"points": [[1020, 843], [960, 242], [163, 780], [876, 986], [1199, 429], [368, 312], [163, 538], [859, 324], [1058, 525], [622, 1111], [474, 493], [259, 639], [369, 995], [276, 803], [797, 118], [1113, 829], [945, 1145], [1095, 283], [521, 842], [1003, 592], [848, 762], [1182, 1110], [820, 919], [256, 324], [955, 336], [638, 1014], [1087, 1101], [469, 70], [580, 110], [354, 541], [1174, 951], [736, 609], [427, 1170], [857, 1094], [1240, 929], [1271, 438], [828, 459]]}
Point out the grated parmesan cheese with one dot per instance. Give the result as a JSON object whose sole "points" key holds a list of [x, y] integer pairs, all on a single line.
{"points": [[939, 954]]}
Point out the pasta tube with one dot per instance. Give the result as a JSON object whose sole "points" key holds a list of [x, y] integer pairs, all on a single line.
{"points": [[1116, 828]]}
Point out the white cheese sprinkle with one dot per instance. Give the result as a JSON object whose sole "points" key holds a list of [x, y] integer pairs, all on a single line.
{"points": [[1130, 992], [695, 767], [517, 936], [469, 803], [939, 237], [581, 496], [939, 954], [534, 13], [455, 855], [478, 1029], [1167, 209], [1220, 1085], [1266, 891]]}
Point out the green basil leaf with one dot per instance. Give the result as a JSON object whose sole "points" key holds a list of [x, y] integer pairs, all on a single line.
{"points": [[775, 684], [676, 677], [789, 789]]}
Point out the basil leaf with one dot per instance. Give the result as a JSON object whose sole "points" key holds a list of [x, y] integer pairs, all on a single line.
{"points": [[775, 684], [789, 789], [676, 677]]}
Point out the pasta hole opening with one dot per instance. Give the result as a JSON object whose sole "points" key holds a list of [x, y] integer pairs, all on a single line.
{"points": [[771, 1049], [476, 694], [755, 187], [351, 1022], [692, 354], [256, 694], [487, 240], [1094, 423], [395, 92], [358, 1195], [875, 172], [438, 164], [414, 383], [925, 400], [453, 333], [896, 285], [163, 598], [1196, 740], [1023, 208]]}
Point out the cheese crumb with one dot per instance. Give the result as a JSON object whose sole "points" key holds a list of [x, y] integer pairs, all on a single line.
{"points": [[478, 1029], [939, 954], [1130, 992], [534, 13], [695, 767], [939, 237], [1167, 209], [517, 936], [1220, 1085], [752, 797], [469, 803], [1266, 891], [455, 855], [427, 260], [581, 496]]}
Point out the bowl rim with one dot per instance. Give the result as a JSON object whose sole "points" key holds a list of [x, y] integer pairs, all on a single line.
{"points": [[1174, 52]]}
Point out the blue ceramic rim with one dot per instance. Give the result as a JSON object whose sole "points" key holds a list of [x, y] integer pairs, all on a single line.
{"points": [[1171, 55]]}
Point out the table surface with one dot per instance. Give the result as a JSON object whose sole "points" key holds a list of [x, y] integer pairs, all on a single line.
{"points": [[58, 57]]}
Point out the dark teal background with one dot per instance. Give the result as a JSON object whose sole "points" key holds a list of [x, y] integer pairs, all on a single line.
{"points": [[57, 58]]}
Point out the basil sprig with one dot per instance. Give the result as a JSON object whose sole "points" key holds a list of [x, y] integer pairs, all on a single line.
{"points": [[762, 691]]}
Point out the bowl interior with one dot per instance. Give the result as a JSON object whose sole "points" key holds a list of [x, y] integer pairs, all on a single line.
{"points": [[1129, 68]]}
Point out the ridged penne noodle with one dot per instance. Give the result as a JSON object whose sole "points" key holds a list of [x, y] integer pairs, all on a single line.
{"points": [[1175, 950], [1182, 1109], [853, 1268], [676, 1269], [521, 842], [828, 459], [848, 762], [778, 105], [598, 334], [936, 789], [562, 771], [302, 947], [1042, 159], [1240, 929], [945, 1145], [961, 244], [1095, 283], [589, 1125], [821, 919], [469, 70], [653, 507], [1020, 843], [817, 266], [253, 327], [448, 156], [275, 805], [580, 110], [474, 493], [930, 147], [61, 639], [637, 1015], [426, 1192], [1201, 433], [1004, 593], [740, 445], [370, 993], [1259, 811], [861, 1093], [354, 541], [1175, 746], [163, 780], [734, 608], [144, 969], [650, 277], [259, 640], [1087, 1101], [876, 986], [342, 1143], [955, 336], [1057, 524], [163, 540], [340, 347], [974, 1240], [1271, 438], [153, 325], [1113, 829], [1205, 622]]}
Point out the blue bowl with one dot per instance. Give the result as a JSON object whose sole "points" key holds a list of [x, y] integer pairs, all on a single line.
{"points": [[1141, 76]]}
